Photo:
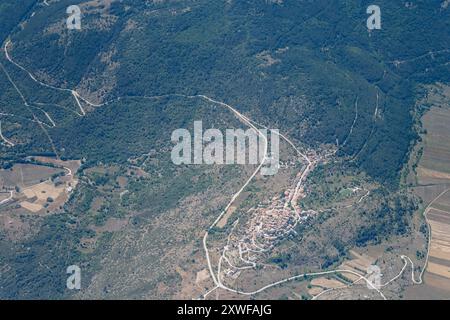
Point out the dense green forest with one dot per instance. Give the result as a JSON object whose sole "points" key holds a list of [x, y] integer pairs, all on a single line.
{"points": [[323, 51]]}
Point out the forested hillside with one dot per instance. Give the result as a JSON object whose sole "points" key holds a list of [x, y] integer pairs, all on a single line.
{"points": [[322, 57], [309, 68]]}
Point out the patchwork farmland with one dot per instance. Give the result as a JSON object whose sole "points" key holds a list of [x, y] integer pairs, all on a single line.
{"points": [[433, 180]]}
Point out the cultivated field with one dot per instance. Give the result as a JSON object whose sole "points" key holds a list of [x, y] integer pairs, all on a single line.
{"points": [[31, 190], [433, 179], [25, 175], [324, 288], [434, 167], [439, 256]]}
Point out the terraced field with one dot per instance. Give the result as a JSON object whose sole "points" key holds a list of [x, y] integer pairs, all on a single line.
{"points": [[434, 166], [433, 178]]}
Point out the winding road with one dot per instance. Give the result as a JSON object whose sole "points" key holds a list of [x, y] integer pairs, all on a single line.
{"points": [[254, 125]]}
